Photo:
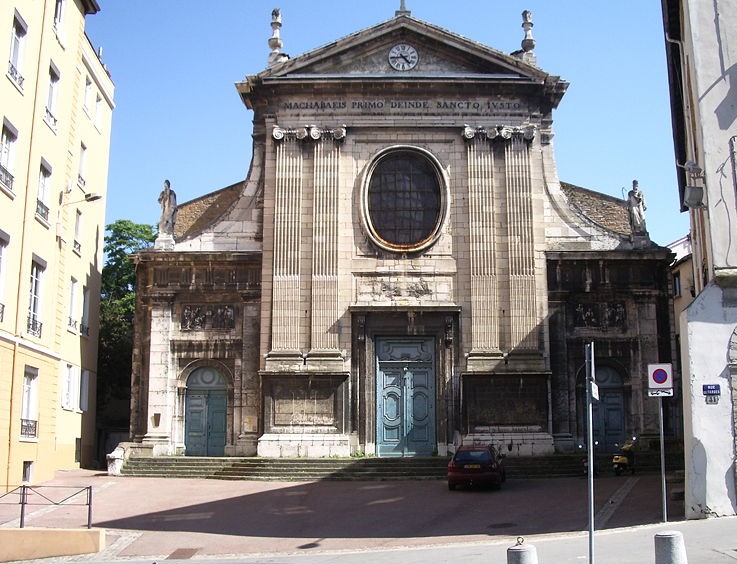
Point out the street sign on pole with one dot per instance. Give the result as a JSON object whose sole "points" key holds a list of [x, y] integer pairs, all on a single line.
{"points": [[660, 384], [592, 391]]}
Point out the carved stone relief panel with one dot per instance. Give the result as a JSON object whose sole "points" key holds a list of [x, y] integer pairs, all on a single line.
{"points": [[205, 317], [609, 315], [404, 290]]}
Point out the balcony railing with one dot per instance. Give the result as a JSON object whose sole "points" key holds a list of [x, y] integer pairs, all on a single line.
{"points": [[15, 74], [2, 312], [50, 119], [72, 323], [6, 178], [77, 247], [42, 210], [84, 329], [80, 181], [28, 428], [34, 326]]}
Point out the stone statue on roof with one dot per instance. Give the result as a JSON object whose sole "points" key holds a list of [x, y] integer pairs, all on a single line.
{"points": [[637, 207], [168, 201]]}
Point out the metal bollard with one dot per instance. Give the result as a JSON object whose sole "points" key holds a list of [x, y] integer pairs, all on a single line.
{"points": [[670, 548], [521, 553]]}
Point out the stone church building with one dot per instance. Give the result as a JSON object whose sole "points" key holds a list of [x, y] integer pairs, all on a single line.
{"points": [[401, 271]]}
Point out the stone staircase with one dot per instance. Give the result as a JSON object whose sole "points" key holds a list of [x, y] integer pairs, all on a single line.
{"points": [[370, 468]]}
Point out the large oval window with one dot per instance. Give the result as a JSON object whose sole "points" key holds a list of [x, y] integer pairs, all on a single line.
{"points": [[404, 200]]}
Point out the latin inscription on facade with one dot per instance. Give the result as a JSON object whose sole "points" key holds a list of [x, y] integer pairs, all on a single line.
{"points": [[474, 106]]}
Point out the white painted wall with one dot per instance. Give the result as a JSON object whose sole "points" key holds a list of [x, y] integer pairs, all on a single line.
{"points": [[706, 329]]}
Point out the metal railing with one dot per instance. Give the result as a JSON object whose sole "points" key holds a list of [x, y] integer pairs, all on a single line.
{"points": [[15, 74], [29, 428], [6, 178], [72, 323], [34, 326], [49, 495], [50, 119], [84, 329], [2, 312], [77, 246], [42, 210]]}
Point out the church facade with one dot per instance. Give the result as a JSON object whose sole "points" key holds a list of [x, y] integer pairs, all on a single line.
{"points": [[402, 270]]}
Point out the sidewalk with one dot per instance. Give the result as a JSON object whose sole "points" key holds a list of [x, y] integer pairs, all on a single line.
{"points": [[156, 518]]}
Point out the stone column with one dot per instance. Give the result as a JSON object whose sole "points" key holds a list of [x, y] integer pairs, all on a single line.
{"points": [[161, 379], [523, 317], [482, 226], [324, 352], [285, 313]]}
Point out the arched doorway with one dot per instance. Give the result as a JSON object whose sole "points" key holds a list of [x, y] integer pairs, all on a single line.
{"points": [[205, 413], [608, 412]]}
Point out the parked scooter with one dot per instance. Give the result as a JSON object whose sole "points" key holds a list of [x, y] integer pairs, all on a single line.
{"points": [[624, 459]]}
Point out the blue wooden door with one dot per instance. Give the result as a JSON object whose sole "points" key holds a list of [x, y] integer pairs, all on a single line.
{"points": [[405, 397], [206, 403], [608, 413]]}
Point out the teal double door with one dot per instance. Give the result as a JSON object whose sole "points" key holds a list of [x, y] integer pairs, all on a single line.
{"points": [[405, 396], [206, 406]]}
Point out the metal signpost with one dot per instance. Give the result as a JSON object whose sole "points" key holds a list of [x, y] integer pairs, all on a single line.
{"points": [[592, 392], [660, 384]]}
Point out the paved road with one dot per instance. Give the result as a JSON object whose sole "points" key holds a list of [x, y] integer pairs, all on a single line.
{"points": [[150, 519]]}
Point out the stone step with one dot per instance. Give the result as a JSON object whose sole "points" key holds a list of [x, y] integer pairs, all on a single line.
{"points": [[303, 469]]}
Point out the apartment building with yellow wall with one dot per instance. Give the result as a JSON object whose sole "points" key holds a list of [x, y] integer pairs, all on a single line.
{"points": [[56, 102]]}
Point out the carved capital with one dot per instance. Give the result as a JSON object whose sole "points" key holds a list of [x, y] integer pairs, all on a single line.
{"points": [[506, 132], [309, 133]]}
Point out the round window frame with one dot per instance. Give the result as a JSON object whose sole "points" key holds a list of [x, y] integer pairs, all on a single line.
{"points": [[442, 185]]}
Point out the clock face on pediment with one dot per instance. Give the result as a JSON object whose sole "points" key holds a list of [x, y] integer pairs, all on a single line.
{"points": [[403, 57]]}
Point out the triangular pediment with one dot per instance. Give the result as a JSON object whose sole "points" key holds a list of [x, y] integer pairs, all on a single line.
{"points": [[441, 53]]}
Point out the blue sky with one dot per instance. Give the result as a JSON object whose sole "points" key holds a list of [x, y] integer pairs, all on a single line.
{"points": [[178, 116]]}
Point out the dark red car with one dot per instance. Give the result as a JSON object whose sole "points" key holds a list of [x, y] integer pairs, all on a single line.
{"points": [[476, 465]]}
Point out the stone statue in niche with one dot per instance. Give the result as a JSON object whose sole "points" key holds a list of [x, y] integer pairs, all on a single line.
{"points": [[637, 207]]}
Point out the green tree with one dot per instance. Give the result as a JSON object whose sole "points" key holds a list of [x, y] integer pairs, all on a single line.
{"points": [[117, 310]]}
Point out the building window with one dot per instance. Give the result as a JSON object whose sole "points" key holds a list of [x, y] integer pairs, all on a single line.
{"points": [[404, 200], [677, 285], [34, 301], [82, 165], [7, 155], [78, 232], [27, 471], [50, 114], [70, 387], [84, 326], [17, 44], [84, 391], [29, 405], [72, 317], [58, 15], [98, 112], [88, 94], [44, 189]]}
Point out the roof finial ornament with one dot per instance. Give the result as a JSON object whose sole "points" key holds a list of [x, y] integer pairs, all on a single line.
{"points": [[528, 43], [275, 42], [403, 11]]}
